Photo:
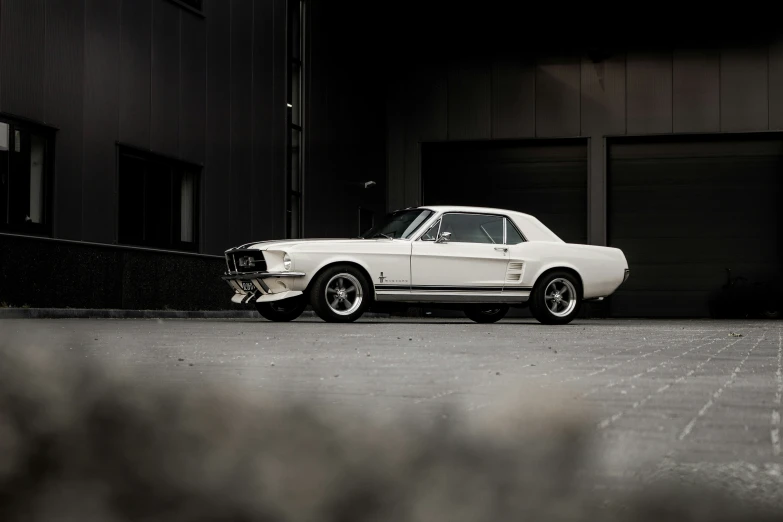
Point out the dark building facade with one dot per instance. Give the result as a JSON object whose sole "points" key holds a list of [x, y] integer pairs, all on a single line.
{"points": [[666, 142], [139, 139]]}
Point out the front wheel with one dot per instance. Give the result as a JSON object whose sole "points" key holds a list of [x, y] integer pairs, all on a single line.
{"points": [[283, 310], [556, 298], [486, 314], [340, 294]]}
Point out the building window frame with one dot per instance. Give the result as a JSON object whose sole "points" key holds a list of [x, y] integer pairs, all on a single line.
{"points": [[14, 128], [176, 169], [295, 118]]}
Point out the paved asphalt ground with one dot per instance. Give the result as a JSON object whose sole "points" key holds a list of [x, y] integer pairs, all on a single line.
{"points": [[703, 394]]}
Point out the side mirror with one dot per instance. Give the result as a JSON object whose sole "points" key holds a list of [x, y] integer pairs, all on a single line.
{"points": [[444, 237]]}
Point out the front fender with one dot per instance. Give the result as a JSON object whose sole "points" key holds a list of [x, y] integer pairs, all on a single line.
{"points": [[312, 268]]}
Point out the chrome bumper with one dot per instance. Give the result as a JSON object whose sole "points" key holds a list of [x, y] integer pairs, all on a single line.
{"points": [[255, 297], [260, 291], [249, 276]]}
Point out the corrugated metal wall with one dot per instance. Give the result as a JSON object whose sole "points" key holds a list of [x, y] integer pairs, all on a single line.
{"points": [[630, 93], [65, 109], [22, 57], [101, 118], [207, 89], [345, 128]]}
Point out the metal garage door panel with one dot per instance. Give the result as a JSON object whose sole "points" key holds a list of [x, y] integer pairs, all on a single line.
{"points": [[547, 180], [684, 212]]}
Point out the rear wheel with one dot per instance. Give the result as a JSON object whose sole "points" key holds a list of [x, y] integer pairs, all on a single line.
{"points": [[556, 298], [771, 302], [486, 314], [340, 294], [283, 310]]}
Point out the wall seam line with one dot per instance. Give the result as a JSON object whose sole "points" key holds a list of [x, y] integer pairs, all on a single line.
{"points": [[252, 118]]}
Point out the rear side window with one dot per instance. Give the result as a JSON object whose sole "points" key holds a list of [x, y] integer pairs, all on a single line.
{"points": [[512, 235]]}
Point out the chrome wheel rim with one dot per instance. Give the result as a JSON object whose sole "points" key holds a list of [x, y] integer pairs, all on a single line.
{"points": [[343, 294], [560, 297]]}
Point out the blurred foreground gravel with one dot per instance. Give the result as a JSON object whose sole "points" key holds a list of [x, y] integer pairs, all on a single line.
{"points": [[594, 412]]}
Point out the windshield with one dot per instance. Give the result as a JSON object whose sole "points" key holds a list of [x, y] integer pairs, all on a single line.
{"points": [[399, 225]]}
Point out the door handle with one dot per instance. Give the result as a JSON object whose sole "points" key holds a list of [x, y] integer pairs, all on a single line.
{"points": [[501, 249]]}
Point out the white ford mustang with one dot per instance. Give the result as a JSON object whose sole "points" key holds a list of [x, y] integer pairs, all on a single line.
{"points": [[481, 260]]}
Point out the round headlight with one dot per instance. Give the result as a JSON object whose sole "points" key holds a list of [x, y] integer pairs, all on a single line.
{"points": [[287, 262]]}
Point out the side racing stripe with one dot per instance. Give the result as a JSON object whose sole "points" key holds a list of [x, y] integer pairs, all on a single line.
{"points": [[452, 288]]}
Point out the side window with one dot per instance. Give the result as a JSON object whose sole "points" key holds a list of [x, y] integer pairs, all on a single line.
{"points": [[158, 201], [432, 233], [492, 228], [26, 176], [512, 235], [473, 228]]}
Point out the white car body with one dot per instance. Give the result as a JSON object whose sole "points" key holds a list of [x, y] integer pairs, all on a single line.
{"points": [[416, 270]]}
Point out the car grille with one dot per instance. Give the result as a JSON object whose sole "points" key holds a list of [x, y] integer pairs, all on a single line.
{"points": [[242, 261]]}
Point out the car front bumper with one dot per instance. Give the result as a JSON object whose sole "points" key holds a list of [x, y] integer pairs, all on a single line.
{"points": [[261, 287]]}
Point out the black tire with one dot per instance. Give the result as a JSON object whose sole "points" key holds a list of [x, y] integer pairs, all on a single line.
{"points": [[355, 285], [283, 310], [770, 306], [573, 292], [486, 313]]}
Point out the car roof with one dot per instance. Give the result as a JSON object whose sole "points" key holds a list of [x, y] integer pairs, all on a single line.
{"points": [[531, 227], [462, 208]]}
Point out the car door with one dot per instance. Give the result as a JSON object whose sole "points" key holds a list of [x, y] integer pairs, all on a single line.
{"points": [[474, 258]]}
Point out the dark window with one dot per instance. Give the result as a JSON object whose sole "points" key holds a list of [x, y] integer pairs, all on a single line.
{"points": [[513, 237], [473, 228], [158, 204], [26, 159]]}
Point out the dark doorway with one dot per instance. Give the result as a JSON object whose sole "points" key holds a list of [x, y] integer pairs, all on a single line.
{"points": [[684, 211]]}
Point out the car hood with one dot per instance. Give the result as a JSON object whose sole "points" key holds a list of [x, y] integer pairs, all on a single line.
{"points": [[291, 244]]}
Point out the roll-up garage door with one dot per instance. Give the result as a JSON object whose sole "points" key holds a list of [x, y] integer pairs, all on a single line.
{"points": [[547, 179], [683, 212]]}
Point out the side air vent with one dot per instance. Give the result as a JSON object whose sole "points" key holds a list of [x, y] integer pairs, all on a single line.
{"points": [[514, 272]]}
